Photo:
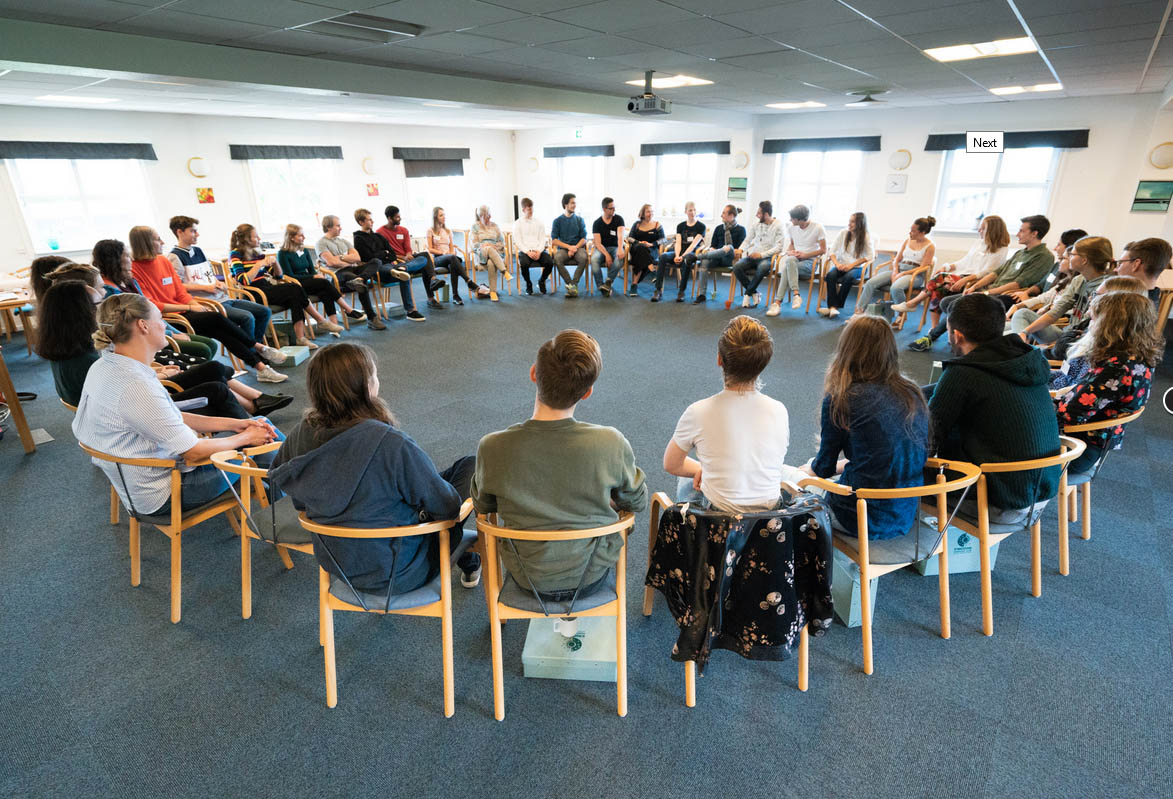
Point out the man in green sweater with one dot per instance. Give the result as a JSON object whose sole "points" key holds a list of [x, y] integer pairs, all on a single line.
{"points": [[553, 472], [1027, 267], [992, 405]]}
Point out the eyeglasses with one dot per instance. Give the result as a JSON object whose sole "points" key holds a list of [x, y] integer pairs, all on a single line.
{"points": [[1125, 260]]}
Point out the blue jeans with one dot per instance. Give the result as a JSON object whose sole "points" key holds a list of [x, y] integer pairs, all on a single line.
{"points": [[597, 262], [792, 270], [713, 259], [251, 317], [760, 268], [839, 285]]}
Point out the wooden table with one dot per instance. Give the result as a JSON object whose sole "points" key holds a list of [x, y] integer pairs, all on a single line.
{"points": [[7, 306], [9, 391]]}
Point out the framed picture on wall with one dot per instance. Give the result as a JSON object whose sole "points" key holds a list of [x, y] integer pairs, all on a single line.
{"points": [[737, 188], [1153, 195]]}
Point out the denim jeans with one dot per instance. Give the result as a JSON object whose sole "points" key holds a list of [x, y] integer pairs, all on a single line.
{"points": [[597, 262], [839, 285], [713, 259], [877, 282], [901, 286], [760, 268], [668, 261], [792, 270], [252, 317]]}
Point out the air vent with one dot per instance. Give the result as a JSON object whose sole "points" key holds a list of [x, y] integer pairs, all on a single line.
{"points": [[364, 27]]}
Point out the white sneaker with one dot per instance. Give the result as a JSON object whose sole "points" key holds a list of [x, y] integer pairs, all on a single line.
{"points": [[272, 355], [267, 374], [796, 301], [330, 327], [746, 302], [833, 312], [774, 310], [900, 307], [824, 311], [757, 297], [305, 342]]}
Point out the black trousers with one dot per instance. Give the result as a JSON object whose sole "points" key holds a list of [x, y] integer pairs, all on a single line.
{"points": [[285, 295], [365, 271], [210, 380], [641, 258], [323, 289], [668, 261], [459, 476], [223, 329], [524, 262]]}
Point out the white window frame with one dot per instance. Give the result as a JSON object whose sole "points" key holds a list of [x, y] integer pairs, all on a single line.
{"points": [[996, 183], [817, 207], [89, 202], [587, 206], [695, 189], [327, 202]]}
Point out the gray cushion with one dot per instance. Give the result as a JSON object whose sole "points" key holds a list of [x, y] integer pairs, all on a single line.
{"points": [[514, 596], [426, 594], [1001, 521], [1074, 479], [289, 529], [902, 549]]}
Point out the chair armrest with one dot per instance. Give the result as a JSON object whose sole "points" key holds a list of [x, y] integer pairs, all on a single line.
{"points": [[215, 306], [176, 319], [826, 485]]}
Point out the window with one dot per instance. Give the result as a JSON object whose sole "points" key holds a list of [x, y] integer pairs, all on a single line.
{"points": [[827, 183], [1012, 184], [682, 177], [70, 204], [583, 177], [449, 193], [300, 191]]}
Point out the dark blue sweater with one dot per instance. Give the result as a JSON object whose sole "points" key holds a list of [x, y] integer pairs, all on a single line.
{"points": [[882, 451]]}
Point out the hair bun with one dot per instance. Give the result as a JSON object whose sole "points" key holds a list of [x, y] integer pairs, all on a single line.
{"points": [[932, 220]]}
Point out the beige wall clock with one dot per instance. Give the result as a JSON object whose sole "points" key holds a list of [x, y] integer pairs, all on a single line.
{"points": [[740, 159], [197, 167], [1161, 156], [900, 159], [368, 165]]}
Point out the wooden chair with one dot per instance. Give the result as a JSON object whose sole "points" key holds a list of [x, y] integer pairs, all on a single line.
{"points": [[989, 533], [279, 527], [507, 600], [1165, 303], [1081, 485], [721, 270], [880, 557], [820, 276], [114, 503], [474, 265], [660, 503], [240, 291], [919, 272], [433, 599], [172, 524]]}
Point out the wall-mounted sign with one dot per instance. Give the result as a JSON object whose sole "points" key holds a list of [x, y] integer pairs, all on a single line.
{"points": [[737, 188]]}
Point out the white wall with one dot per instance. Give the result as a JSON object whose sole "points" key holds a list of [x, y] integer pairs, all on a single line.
{"points": [[177, 137], [1093, 188]]}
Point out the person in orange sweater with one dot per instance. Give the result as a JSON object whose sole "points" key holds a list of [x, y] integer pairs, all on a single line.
{"points": [[159, 283]]}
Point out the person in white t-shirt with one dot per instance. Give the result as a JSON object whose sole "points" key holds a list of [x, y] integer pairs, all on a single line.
{"points": [[808, 241], [740, 435], [531, 238]]}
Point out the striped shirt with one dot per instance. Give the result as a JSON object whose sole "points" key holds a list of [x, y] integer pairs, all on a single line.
{"points": [[126, 412]]}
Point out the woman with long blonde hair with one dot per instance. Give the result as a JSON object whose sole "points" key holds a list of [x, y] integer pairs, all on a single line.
{"points": [[445, 256], [877, 420]]}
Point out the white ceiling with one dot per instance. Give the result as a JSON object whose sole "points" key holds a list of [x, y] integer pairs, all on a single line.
{"points": [[755, 51]]}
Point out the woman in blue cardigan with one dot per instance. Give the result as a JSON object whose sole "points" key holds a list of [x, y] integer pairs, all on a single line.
{"points": [[877, 419]]}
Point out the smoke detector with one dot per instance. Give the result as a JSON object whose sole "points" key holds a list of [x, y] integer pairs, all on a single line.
{"points": [[866, 98]]}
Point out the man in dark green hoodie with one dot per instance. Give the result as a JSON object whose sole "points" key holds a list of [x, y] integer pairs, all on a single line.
{"points": [[992, 405]]}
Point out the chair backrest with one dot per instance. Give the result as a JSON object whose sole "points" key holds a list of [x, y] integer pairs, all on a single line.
{"points": [[1069, 449], [490, 528], [1103, 424], [72, 408], [1165, 301]]}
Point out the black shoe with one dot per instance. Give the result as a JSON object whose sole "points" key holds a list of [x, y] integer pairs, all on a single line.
{"points": [[456, 300], [680, 298], [267, 403], [529, 290], [437, 284], [700, 299], [542, 287], [355, 315], [375, 324], [415, 316], [605, 289], [656, 296], [355, 284], [470, 569], [434, 303]]}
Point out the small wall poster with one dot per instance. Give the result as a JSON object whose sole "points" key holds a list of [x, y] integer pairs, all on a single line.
{"points": [[372, 189], [205, 195], [737, 188], [1153, 195]]}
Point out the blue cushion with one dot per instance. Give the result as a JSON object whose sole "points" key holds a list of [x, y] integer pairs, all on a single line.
{"points": [[288, 530], [514, 596], [426, 594]]}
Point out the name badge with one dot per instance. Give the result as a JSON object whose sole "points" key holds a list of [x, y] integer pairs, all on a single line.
{"points": [[167, 281], [399, 236]]}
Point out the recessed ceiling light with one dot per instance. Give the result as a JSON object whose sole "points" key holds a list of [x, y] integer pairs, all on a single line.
{"points": [[965, 52], [672, 82], [70, 98], [343, 116], [1038, 87], [790, 106]]}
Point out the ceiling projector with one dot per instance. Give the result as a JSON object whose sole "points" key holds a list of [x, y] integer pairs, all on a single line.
{"points": [[648, 103]]}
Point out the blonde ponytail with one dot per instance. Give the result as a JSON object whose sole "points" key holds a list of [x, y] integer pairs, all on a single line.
{"points": [[116, 317]]}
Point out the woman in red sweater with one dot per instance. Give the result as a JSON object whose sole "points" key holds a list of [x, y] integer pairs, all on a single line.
{"points": [[159, 283]]}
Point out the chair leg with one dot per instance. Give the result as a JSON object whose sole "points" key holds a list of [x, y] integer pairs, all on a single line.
{"points": [[690, 683], [865, 609], [246, 576], [987, 588], [1073, 509], [135, 553], [649, 593], [1064, 557], [446, 627], [113, 506], [943, 588], [1085, 494], [1036, 560], [327, 637], [286, 561], [498, 667], [176, 571], [803, 658], [621, 633]]}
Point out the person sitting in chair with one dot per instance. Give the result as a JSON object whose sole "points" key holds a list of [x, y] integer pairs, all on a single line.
{"points": [[553, 472]]}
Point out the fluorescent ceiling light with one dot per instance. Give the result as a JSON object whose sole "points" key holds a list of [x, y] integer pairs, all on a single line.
{"points": [[672, 82], [790, 106], [343, 116], [965, 52], [1038, 87], [70, 98], [363, 27]]}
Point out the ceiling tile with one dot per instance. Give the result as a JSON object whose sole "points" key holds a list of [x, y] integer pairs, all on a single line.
{"points": [[541, 6], [69, 12], [177, 25], [784, 16], [452, 15], [533, 30], [624, 16], [598, 46], [274, 13], [459, 43], [1108, 15]]}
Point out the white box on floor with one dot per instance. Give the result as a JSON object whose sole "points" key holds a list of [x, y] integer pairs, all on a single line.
{"points": [[964, 553], [295, 355], [588, 655], [845, 590]]}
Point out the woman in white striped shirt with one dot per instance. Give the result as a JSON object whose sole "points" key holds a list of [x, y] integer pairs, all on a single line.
{"points": [[125, 411]]}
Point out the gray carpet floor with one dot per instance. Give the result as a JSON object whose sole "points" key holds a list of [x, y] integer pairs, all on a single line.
{"points": [[104, 696]]}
